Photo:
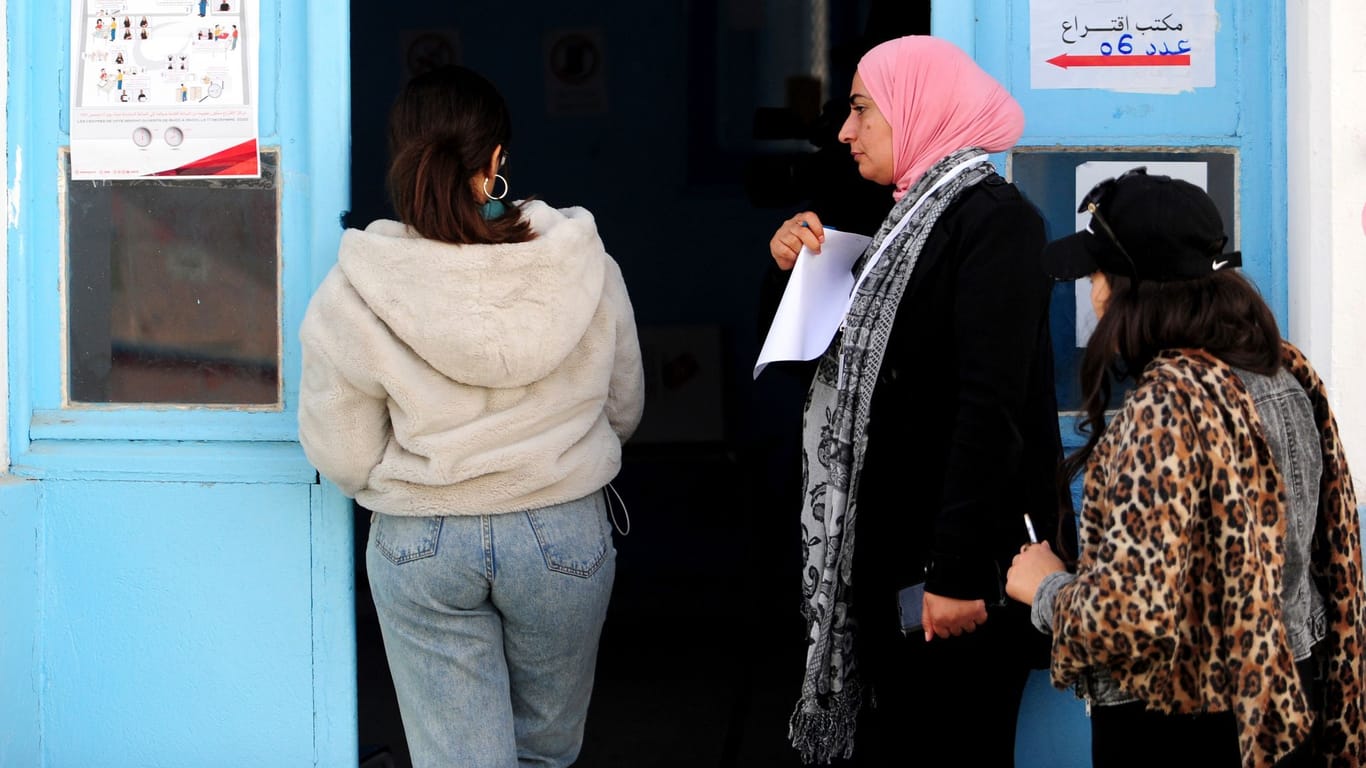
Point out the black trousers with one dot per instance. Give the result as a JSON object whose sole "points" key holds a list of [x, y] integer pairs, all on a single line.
{"points": [[950, 701], [1130, 736]]}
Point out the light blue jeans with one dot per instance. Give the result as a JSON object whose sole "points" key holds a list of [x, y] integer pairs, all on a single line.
{"points": [[491, 626]]}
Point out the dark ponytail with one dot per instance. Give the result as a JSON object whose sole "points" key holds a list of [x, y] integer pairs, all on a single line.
{"points": [[443, 130]]}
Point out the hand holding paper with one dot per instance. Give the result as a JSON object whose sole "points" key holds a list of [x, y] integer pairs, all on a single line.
{"points": [[815, 300]]}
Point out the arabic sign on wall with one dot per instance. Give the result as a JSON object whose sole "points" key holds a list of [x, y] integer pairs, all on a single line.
{"points": [[164, 88], [1138, 46]]}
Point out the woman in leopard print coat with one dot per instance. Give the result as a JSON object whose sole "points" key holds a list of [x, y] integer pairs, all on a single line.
{"points": [[1178, 619]]}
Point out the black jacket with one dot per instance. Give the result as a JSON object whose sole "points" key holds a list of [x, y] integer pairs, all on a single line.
{"points": [[963, 431]]}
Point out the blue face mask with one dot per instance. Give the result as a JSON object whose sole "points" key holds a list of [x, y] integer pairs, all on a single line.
{"points": [[492, 209]]}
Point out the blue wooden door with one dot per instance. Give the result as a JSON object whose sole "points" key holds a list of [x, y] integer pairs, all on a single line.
{"points": [[1196, 86], [182, 582]]}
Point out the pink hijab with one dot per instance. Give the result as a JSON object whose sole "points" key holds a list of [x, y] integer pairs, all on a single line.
{"points": [[937, 101]]}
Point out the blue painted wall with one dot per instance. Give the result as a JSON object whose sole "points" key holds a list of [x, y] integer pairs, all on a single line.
{"points": [[21, 564], [177, 589], [175, 625]]}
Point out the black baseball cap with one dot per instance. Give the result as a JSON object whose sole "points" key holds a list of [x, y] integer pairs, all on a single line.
{"points": [[1145, 227]]}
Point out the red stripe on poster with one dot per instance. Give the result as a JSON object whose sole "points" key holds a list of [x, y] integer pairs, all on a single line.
{"points": [[240, 160]]}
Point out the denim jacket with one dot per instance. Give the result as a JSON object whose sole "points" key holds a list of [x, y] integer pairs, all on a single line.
{"points": [[1288, 418]]}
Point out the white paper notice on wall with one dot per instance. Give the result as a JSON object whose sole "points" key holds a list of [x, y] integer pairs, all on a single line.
{"points": [[164, 89], [1137, 46], [1088, 175]]}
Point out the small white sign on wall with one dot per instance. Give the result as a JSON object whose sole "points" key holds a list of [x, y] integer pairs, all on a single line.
{"points": [[1091, 174], [1138, 46]]}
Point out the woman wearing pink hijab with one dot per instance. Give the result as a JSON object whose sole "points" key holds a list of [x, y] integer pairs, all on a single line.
{"points": [[930, 426]]}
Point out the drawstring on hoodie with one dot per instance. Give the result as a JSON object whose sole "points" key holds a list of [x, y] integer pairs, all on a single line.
{"points": [[612, 512]]}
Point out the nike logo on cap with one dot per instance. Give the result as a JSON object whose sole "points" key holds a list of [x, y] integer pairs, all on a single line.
{"points": [[1216, 265]]}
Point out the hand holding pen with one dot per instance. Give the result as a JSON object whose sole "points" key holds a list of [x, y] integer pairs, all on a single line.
{"points": [[1035, 561]]}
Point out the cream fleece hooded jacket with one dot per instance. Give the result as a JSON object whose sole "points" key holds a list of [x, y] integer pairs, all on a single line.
{"points": [[445, 379]]}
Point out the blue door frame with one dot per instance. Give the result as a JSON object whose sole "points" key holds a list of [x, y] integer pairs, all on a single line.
{"points": [[183, 583]]}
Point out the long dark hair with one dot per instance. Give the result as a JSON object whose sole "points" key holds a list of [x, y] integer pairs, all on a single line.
{"points": [[1222, 314], [443, 129]]}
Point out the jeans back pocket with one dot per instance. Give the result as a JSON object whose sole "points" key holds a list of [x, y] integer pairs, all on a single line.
{"points": [[404, 539], [573, 537]]}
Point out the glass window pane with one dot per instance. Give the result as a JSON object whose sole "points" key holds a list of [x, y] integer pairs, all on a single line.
{"points": [[173, 290], [1048, 178]]}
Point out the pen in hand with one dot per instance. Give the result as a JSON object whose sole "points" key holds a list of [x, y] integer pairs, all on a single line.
{"points": [[1029, 526]]}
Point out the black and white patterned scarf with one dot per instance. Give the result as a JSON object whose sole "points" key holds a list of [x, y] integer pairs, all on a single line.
{"points": [[834, 436]]}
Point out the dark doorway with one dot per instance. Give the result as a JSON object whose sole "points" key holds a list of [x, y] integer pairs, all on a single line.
{"points": [[689, 141]]}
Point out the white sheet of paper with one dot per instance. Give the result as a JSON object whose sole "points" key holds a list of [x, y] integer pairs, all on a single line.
{"points": [[814, 301]]}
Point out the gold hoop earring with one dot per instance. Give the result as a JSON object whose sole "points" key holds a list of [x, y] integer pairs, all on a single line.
{"points": [[497, 178]]}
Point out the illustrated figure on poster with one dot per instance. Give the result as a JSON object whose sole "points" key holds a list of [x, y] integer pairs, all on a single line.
{"points": [[184, 93], [119, 59], [99, 24], [119, 80], [123, 96], [203, 8], [234, 37], [127, 23], [213, 88], [143, 34], [142, 95], [143, 23]]}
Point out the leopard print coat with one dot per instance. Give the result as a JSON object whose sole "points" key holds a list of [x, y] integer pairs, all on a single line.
{"points": [[1178, 583]]}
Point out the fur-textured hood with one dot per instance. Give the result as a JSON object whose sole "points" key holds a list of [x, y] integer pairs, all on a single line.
{"points": [[484, 315], [444, 379]]}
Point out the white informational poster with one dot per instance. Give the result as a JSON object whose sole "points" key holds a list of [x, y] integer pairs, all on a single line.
{"points": [[164, 88], [1137, 46], [1091, 174]]}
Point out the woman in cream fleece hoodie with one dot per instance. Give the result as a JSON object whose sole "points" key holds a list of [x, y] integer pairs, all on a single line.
{"points": [[469, 374]]}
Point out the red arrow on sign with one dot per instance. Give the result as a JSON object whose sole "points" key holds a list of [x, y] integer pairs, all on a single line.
{"points": [[1068, 60]]}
